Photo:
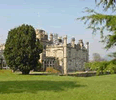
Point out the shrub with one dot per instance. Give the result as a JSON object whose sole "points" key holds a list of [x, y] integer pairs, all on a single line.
{"points": [[99, 67], [52, 70], [111, 68]]}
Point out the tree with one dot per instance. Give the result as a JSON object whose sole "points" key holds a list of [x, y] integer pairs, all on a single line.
{"points": [[22, 49], [100, 22], [97, 57], [106, 4], [113, 55]]}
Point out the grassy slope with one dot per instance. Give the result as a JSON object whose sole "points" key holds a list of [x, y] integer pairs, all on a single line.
{"points": [[34, 87]]}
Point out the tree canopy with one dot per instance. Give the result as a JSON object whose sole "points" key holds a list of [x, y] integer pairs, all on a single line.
{"points": [[97, 57], [22, 49]]}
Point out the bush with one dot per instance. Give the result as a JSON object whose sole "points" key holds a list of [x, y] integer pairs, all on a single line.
{"points": [[101, 67], [111, 68], [52, 70]]}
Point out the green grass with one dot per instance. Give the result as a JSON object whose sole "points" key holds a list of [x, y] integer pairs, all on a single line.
{"points": [[52, 87]]}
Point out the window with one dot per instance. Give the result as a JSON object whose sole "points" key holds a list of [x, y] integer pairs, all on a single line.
{"points": [[44, 47], [50, 64]]}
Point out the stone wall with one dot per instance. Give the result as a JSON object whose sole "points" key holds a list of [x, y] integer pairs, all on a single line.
{"points": [[76, 59], [56, 52]]}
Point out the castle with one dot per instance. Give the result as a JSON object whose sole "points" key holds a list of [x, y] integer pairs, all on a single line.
{"points": [[62, 56]]}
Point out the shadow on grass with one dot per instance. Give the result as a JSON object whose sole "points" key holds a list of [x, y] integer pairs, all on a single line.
{"points": [[35, 86]]}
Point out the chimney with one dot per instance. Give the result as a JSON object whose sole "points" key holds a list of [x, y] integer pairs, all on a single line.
{"points": [[87, 46], [46, 36], [73, 42]]}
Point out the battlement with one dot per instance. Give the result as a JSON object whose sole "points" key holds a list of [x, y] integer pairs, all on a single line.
{"points": [[54, 46], [60, 42], [41, 34]]}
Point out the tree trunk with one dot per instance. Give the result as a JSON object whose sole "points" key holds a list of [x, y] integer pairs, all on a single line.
{"points": [[25, 72]]}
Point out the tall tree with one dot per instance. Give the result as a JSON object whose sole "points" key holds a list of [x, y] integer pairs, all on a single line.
{"points": [[97, 57], [22, 49]]}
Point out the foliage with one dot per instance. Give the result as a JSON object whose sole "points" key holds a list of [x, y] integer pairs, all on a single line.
{"points": [[38, 67], [101, 22], [106, 4], [96, 57], [113, 61], [52, 70], [111, 68], [113, 55], [102, 67], [22, 49]]}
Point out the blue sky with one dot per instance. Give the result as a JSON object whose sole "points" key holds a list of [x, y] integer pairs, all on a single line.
{"points": [[54, 16]]}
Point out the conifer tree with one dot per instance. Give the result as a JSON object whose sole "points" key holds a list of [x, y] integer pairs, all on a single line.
{"points": [[22, 49], [100, 22]]}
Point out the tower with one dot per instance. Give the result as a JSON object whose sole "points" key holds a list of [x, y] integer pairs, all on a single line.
{"points": [[38, 34], [81, 43], [73, 42], [87, 47], [51, 37], [46, 36], [65, 55]]}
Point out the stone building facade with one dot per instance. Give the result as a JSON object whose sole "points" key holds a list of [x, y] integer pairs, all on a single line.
{"points": [[63, 56], [2, 47], [2, 59]]}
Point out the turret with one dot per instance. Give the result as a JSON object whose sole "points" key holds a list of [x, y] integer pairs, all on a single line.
{"points": [[37, 33], [51, 37], [87, 46], [73, 42], [65, 40], [59, 40], [81, 43], [46, 36]]}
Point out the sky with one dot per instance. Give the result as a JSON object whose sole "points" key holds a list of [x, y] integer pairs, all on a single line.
{"points": [[54, 16]]}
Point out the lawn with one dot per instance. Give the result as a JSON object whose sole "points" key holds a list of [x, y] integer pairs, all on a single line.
{"points": [[53, 87]]}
